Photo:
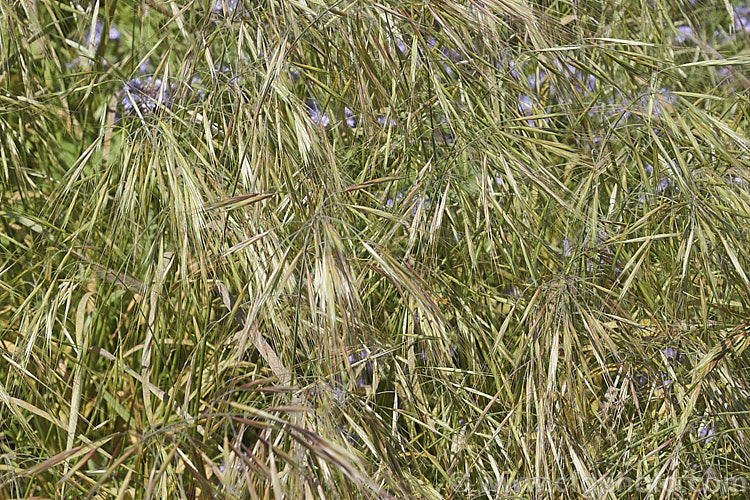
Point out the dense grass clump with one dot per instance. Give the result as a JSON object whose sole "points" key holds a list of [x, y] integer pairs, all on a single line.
{"points": [[444, 249]]}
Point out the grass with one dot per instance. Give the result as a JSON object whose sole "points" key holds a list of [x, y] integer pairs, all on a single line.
{"points": [[374, 250]]}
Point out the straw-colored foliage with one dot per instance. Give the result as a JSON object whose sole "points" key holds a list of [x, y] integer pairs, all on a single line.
{"points": [[359, 249]]}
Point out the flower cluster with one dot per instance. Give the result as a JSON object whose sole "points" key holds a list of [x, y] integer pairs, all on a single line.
{"points": [[543, 92], [386, 122], [226, 72], [321, 117], [648, 104], [673, 356], [706, 434], [147, 93], [113, 35], [684, 34], [581, 82], [541, 87], [666, 184], [526, 107], [741, 24], [144, 96], [442, 54], [742, 19], [316, 113], [420, 202], [349, 118], [390, 202]]}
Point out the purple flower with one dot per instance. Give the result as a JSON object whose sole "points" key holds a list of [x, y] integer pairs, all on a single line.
{"points": [[145, 94], [514, 71], [401, 46], [566, 247], [452, 54], [579, 79], [524, 104], [349, 118], [533, 81], [226, 72], [389, 203], [447, 69], [196, 81], [591, 83], [706, 434], [669, 352], [113, 34], [742, 19], [737, 180], [684, 33], [316, 113], [362, 353], [382, 121], [227, 7], [336, 391], [666, 186], [350, 437], [673, 355], [601, 237], [526, 107], [601, 253]]}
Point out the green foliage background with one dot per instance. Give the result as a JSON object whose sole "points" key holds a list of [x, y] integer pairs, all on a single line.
{"points": [[490, 277]]}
